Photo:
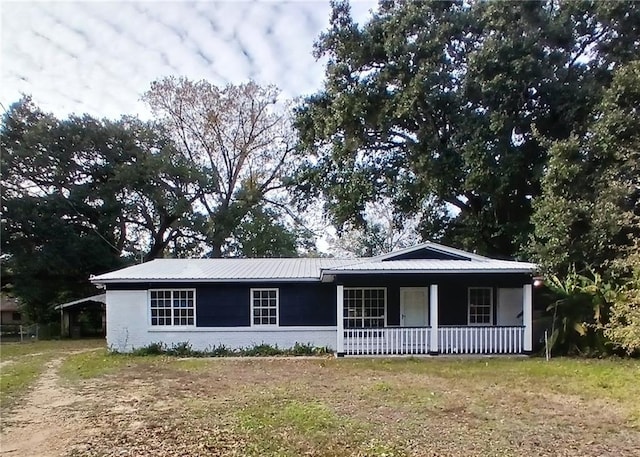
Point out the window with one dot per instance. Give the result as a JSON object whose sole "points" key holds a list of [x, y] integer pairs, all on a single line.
{"points": [[364, 307], [16, 316], [264, 306], [172, 307], [480, 306]]}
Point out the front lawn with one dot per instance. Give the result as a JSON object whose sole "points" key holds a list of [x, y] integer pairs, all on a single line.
{"points": [[360, 407]]}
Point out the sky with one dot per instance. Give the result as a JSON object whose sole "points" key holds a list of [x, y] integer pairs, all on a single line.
{"points": [[100, 57]]}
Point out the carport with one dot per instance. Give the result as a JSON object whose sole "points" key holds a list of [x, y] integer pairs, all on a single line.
{"points": [[85, 317]]}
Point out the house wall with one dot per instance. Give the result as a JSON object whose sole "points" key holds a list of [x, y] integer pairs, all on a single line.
{"points": [[452, 291], [307, 312], [307, 316]]}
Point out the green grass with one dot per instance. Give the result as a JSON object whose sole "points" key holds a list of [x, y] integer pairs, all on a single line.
{"points": [[17, 376], [12, 350], [87, 365], [22, 363]]}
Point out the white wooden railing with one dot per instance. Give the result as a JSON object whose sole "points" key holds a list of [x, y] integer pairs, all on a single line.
{"points": [[451, 340], [480, 340], [386, 341]]}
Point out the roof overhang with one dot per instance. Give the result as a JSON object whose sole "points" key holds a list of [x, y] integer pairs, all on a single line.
{"points": [[333, 273], [199, 280], [100, 298]]}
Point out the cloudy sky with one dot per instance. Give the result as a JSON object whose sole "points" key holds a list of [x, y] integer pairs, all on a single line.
{"points": [[99, 57]]}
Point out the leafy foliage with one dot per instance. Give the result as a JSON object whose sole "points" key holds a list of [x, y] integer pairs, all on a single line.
{"points": [[589, 212], [239, 137], [580, 313], [435, 105]]}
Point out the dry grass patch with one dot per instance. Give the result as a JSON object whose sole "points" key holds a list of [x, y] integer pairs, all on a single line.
{"points": [[324, 407]]}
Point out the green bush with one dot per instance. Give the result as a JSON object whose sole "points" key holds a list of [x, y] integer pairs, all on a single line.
{"points": [[151, 349], [261, 350]]}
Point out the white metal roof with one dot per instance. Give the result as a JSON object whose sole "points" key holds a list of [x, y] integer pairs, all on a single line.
{"points": [[296, 269], [435, 266], [101, 298], [224, 270]]}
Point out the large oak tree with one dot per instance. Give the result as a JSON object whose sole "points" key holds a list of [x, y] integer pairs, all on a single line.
{"points": [[440, 107]]}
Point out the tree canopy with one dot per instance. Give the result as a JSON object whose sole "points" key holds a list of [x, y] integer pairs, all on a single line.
{"points": [[440, 107], [239, 137]]}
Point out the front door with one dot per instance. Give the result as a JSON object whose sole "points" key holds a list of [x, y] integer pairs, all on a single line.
{"points": [[509, 306], [414, 306]]}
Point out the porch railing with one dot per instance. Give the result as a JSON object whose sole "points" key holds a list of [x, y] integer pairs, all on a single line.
{"points": [[386, 341], [481, 340], [451, 340]]}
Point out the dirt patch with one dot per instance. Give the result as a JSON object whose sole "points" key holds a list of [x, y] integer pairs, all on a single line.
{"points": [[45, 421]]}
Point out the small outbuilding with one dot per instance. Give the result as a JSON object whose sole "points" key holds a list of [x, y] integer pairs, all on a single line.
{"points": [[83, 318]]}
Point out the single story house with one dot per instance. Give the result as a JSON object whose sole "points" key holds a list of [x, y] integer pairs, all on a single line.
{"points": [[427, 299]]}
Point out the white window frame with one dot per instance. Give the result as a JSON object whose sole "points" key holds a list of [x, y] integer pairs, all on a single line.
{"points": [[172, 308], [481, 324], [252, 299], [363, 318]]}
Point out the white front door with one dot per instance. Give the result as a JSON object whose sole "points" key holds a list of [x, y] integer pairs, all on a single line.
{"points": [[509, 306], [414, 306]]}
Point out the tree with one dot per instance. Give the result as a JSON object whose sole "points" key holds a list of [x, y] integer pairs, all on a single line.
{"points": [[240, 137], [589, 212], [434, 106], [381, 233], [79, 195], [262, 233]]}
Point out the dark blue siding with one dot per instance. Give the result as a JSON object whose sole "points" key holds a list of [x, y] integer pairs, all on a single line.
{"points": [[301, 304], [314, 303], [307, 304], [222, 305], [452, 291]]}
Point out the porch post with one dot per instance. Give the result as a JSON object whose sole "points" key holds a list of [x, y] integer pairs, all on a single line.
{"points": [[340, 320], [433, 319], [527, 317]]}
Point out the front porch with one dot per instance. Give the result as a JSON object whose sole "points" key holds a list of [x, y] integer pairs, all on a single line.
{"points": [[450, 340], [503, 326]]}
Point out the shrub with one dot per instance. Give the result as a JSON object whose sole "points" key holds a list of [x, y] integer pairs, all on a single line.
{"points": [[183, 349], [261, 350], [150, 349]]}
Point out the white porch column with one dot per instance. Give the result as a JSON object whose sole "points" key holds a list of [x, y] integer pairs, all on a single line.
{"points": [[340, 320], [433, 318], [527, 316]]}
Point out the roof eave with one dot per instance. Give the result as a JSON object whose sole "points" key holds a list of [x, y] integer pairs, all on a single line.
{"points": [[200, 280], [426, 271]]}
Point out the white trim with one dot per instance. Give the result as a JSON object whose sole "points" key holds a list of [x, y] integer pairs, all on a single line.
{"points": [[251, 299], [257, 328], [340, 319], [433, 317], [429, 271], [481, 324], [312, 279], [527, 316], [369, 288], [172, 327], [425, 309]]}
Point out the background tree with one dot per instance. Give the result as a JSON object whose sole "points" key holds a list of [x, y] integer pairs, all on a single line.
{"points": [[240, 137], [263, 233], [79, 195], [433, 105], [589, 212]]}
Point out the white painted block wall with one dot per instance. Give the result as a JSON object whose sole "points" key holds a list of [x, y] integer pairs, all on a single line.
{"points": [[128, 328]]}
